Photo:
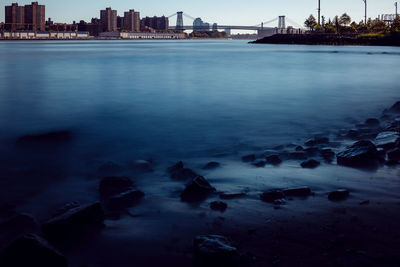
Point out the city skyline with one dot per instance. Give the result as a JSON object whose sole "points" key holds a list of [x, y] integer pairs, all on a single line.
{"points": [[245, 13]]}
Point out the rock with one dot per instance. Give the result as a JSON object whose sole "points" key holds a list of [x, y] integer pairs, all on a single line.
{"points": [[197, 190], [310, 142], [272, 195], [394, 154], [211, 165], [110, 186], [228, 196], [20, 224], [327, 154], [142, 166], [353, 134], [218, 206], [178, 172], [125, 199], [372, 122], [249, 158], [338, 195], [274, 160], [386, 140], [310, 164], [297, 155], [66, 207], [109, 168], [360, 154], [50, 138], [321, 140], [74, 222], [260, 163], [395, 108], [214, 250], [303, 191], [32, 250], [299, 148]]}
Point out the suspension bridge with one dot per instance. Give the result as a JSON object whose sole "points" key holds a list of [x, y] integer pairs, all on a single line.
{"points": [[264, 28]]}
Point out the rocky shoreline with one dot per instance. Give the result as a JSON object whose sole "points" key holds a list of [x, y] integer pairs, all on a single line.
{"points": [[369, 146], [329, 39]]}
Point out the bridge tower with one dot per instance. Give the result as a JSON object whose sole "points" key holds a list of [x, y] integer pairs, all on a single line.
{"points": [[179, 20], [282, 22]]}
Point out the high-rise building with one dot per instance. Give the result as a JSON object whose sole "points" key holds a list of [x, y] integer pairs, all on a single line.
{"points": [[35, 17], [108, 20], [14, 17], [131, 21], [156, 23]]}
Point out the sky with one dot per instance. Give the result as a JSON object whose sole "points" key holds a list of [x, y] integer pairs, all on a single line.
{"points": [[231, 12]]}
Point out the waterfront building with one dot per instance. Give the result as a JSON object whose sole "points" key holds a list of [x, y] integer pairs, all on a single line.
{"points": [[35, 17], [156, 23], [93, 28], [14, 17], [108, 20], [131, 21], [120, 22]]}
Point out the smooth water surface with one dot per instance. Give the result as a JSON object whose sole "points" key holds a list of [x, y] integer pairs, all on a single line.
{"points": [[127, 99]]}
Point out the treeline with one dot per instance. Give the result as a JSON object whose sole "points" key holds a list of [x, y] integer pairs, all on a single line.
{"points": [[207, 34], [343, 25]]}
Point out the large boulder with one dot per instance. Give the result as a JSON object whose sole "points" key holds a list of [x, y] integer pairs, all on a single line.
{"points": [[387, 140], [360, 154], [32, 250], [338, 195], [110, 186], [274, 159], [310, 164], [178, 172], [197, 190], [215, 250], [272, 195], [394, 154], [74, 222], [303, 191]]}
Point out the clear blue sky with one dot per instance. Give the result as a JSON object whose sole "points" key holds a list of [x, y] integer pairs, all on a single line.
{"points": [[233, 12]]}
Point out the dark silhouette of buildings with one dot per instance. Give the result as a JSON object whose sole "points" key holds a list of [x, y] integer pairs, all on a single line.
{"points": [[156, 23], [94, 27], [108, 20], [28, 17], [131, 21]]}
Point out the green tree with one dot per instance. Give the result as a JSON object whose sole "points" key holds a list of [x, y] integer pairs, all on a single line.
{"points": [[395, 27], [344, 19], [379, 26], [311, 22], [336, 23]]}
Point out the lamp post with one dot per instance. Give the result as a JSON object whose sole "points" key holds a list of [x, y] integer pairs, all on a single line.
{"points": [[319, 12], [365, 2]]}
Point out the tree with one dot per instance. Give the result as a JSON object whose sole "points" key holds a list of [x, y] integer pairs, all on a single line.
{"points": [[336, 23], [379, 26], [311, 22], [345, 19], [395, 27]]}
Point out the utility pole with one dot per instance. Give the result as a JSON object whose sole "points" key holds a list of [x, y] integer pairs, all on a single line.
{"points": [[365, 2], [319, 12], [395, 4]]}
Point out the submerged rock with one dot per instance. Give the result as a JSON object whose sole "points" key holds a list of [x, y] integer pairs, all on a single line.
{"points": [[74, 222], [360, 154], [274, 160], [20, 224], [260, 163], [110, 186], [394, 155], [372, 122], [338, 195], [249, 158], [327, 154], [211, 165], [56, 137], [178, 172], [387, 140], [142, 166], [218, 206], [197, 190], [125, 199], [298, 155], [303, 191], [228, 196], [32, 250], [310, 164], [214, 250], [395, 108], [272, 195]]}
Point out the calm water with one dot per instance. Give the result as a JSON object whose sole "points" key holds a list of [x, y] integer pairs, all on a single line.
{"points": [[159, 99]]}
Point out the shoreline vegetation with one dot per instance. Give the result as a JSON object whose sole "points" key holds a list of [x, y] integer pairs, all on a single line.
{"points": [[341, 31]]}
